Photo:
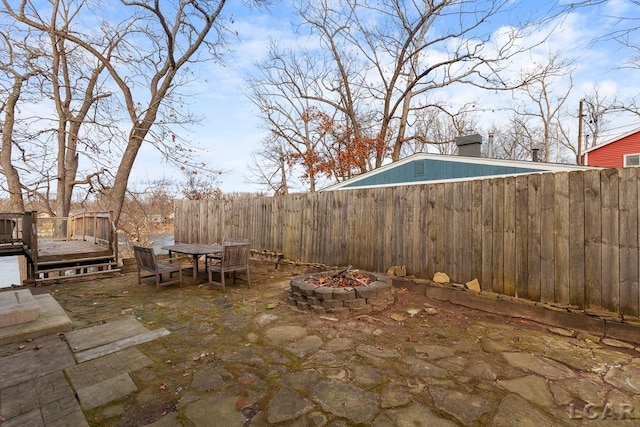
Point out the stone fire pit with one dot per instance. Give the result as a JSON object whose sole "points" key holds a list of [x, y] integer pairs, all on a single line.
{"points": [[333, 292]]}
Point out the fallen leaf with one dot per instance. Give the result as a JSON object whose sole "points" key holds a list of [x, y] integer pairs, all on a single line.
{"points": [[21, 347], [163, 386], [412, 339], [38, 347], [29, 340]]}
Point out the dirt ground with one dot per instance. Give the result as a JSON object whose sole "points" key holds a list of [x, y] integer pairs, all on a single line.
{"points": [[192, 314]]}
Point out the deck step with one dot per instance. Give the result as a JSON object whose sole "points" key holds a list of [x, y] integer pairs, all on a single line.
{"points": [[77, 260], [76, 267], [93, 273]]}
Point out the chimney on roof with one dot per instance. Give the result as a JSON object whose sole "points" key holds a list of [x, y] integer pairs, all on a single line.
{"points": [[469, 145], [534, 154]]}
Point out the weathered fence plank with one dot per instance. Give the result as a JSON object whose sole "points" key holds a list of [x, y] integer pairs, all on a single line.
{"points": [[450, 245], [576, 239], [467, 232], [457, 236], [431, 218], [521, 218], [440, 229], [628, 190], [547, 238], [476, 230], [561, 234], [534, 230], [498, 236], [487, 236], [593, 240], [610, 240], [509, 250]]}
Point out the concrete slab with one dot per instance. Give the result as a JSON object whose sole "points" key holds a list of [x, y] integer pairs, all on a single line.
{"points": [[52, 356], [113, 347], [51, 320], [17, 306], [114, 330], [106, 391]]}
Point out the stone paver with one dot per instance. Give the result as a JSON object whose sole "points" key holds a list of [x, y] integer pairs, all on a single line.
{"points": [[245, 360], [98, 370], [40, 357], [106, 391], [94, 336]]}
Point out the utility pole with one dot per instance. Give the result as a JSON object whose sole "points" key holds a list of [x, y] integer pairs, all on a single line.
{"points": [[580, 133]]}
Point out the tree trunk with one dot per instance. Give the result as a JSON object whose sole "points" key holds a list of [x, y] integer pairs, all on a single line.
{"points": [[16, 201]]}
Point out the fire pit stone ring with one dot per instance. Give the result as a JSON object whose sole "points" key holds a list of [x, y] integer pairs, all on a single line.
{"points": [[363, 298]]}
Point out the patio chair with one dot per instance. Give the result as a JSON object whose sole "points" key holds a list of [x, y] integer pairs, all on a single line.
{"points": [[225, 241], [146, 260], [234, 257]]}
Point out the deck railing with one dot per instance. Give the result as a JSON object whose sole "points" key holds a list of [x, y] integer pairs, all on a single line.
{"points": [[11, 226]]}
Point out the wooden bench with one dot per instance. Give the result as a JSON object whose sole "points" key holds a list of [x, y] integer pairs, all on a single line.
{"points": [[146, 260]]}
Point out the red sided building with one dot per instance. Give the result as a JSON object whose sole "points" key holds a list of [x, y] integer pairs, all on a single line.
{"points": [[620, 152]]}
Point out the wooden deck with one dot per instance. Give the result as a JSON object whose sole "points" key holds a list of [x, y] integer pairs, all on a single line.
{"points": [[69, 250], [61, 248], [75, 258]]}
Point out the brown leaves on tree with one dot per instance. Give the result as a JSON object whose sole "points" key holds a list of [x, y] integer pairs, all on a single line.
{"points": [[337, 150]]}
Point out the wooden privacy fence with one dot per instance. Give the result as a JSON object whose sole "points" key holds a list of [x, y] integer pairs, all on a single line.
{"points": [[568, 238]]}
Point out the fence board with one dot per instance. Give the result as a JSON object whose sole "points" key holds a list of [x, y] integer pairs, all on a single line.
{"points": [[467, 232], [498, 236], [476, 230], [487, 236], [400, 217], [440, 228], [561, 232], [610, 240], [521, 218], [509, 249], [431, 218], [628, 209], [593, 240], [450, 245], [534, 230], [414, 231], [457, 235], [576, 240], [547, 238]]}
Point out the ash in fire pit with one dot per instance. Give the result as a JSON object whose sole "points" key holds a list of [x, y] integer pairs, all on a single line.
{"points": [[341, 292]]}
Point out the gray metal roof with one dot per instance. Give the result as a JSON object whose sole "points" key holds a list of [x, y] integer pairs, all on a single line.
{"points": [[432, 168]]}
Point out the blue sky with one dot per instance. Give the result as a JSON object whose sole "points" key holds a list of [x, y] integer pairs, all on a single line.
{"points": [[231, 129]]}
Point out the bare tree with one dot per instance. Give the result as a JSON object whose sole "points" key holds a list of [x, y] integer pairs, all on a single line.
{"points": [[518, 138], [281, 92], [545, 98], [438, 128], [271, 166], [144, 55], [17, 68], [382, 61]]}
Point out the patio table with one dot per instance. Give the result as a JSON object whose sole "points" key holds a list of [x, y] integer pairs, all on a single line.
{"points": [[194, 249]]}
